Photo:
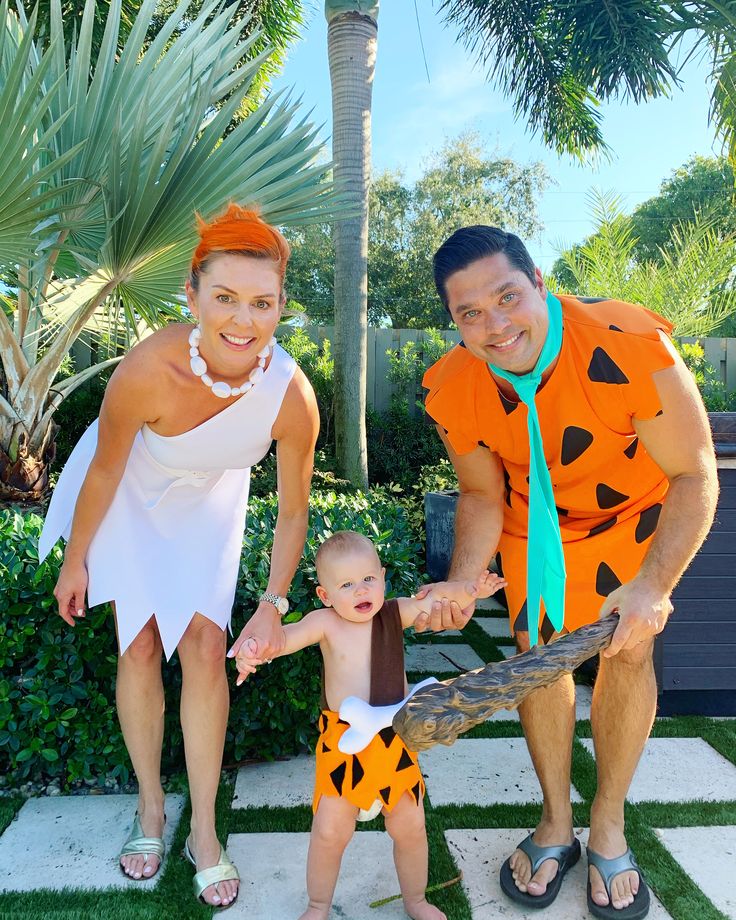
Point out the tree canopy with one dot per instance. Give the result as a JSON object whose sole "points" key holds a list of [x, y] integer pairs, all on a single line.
{"points": [[462, 184], [700, 190]]}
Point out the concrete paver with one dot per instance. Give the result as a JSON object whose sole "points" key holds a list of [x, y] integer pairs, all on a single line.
{"points": [[495, 627], [693, 770], [74, 841], [708, 855], [275, 888], [283, 783], [439, 658], [482, 771], [480, 853]]}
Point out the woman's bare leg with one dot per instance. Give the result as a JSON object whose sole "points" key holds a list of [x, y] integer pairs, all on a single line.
{"points": [[205, 702], [140, 702]]}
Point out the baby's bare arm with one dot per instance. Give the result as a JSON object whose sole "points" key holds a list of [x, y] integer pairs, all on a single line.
{"points": [[463, 593], [307, 631]]}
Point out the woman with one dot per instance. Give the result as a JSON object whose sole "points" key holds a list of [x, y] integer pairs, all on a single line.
{"points": [[153, 503]]}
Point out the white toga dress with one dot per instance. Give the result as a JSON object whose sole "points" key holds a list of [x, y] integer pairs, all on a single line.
{"points": [[171, 540]]}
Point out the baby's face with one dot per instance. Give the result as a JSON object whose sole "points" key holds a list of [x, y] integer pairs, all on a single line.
{"points": [[352, 583]]}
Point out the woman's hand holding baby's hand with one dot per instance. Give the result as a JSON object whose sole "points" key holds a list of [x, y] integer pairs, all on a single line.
{"points": [[247, 660]]}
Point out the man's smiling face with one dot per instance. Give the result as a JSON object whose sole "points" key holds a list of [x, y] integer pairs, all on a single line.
{"points": [[501, 315]]}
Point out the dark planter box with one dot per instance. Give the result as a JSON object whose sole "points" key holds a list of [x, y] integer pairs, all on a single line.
{"points": [[695, 657], [439, 526]]}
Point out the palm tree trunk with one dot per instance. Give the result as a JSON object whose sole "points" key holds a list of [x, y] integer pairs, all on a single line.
{"points": [[351, 45], [24, 469]]}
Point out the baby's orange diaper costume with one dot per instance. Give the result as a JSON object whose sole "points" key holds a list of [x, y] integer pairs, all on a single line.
{"points": [[607, 489], [385, 769]]}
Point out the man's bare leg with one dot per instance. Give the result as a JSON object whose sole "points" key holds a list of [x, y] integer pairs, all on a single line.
{"points": [[406, 827], [139, 695], [332, 828], [205, 702], [622, 714], [548, 719]]}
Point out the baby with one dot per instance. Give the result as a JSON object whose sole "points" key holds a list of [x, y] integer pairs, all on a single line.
{"points": [[360, 637]]}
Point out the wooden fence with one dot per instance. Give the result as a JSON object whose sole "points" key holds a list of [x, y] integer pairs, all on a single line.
{"points": [[721, 353]]}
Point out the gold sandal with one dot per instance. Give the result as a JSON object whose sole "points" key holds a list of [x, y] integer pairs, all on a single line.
{"points": [[138, 844], [223, 871]]}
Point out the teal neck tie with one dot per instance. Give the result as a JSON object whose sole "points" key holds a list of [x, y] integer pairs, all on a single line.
{"points": [[545, 562]]}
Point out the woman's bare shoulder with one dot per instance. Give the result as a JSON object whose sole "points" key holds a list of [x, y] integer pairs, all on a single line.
{"points": [[299, 415], [147, 370]]}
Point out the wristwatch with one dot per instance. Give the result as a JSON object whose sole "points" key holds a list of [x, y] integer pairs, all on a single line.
{"points": [[280, 603]]}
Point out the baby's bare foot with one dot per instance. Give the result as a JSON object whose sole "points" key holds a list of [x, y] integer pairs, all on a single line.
{"points": [[423, 910], [315, 913]]}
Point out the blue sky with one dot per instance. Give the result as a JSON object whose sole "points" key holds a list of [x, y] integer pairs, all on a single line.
{"points": [[413, 116]]}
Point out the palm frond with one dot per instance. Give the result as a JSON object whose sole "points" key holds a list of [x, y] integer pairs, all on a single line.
{"points": [[558, 60]]}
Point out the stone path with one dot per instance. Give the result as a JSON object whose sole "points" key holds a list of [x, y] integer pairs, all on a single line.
{"points": [[73, 841]]}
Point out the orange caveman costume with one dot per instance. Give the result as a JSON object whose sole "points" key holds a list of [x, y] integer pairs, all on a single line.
{"points": [[385, 769], [607, 489]]}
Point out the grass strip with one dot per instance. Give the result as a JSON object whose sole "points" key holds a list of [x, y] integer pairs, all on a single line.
{"points": [[678, 893], [686, 814], [481, 643], [470, 816], [442, 867], [9, 808], [722, 737]]}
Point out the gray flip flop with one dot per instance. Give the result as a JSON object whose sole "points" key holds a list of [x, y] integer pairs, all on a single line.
{"points": [[566, 857], [609, 869]]}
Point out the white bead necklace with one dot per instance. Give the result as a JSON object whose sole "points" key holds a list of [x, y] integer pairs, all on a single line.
{"points": [[222, 389]]}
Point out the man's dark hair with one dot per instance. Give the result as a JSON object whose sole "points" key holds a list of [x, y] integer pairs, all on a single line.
{"points": [[468, 244]]}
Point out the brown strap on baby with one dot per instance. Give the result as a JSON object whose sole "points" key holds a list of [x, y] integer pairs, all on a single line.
{"points": [[387, 656]]}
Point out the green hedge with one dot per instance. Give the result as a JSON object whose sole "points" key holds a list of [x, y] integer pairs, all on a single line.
{"points": [[57, 690]]}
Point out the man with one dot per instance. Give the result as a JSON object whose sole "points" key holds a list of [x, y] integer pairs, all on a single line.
{"points": [[582, 447]]}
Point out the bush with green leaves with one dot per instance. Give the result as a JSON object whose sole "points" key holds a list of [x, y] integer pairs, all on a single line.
{"points": [[57, 691], [711, 387]]}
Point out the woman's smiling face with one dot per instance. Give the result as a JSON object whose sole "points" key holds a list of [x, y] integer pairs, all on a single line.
{"points": [[501, 316], [238, 303]]}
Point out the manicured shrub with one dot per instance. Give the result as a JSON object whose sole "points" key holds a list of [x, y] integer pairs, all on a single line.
{"points": [[57, 690]]}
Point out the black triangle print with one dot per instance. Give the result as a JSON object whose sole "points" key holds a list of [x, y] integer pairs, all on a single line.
{"points": [[416, 790], [358, 771], [561, 511], [507, 486], [405, 761], [602, 528], [606, 580], [608, 497], [342, 722], [592, 299], [483, 444], [338, 777], [615, 328], [575, 441], [630, 451], [325, 749], [647, 523], [322, 722], [385, 794], [387, 735], [508, 404], [603, 369], [521, 623], [547, 629]]}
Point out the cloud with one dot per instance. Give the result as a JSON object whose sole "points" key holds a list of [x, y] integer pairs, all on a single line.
{"points": [[455, 100]]}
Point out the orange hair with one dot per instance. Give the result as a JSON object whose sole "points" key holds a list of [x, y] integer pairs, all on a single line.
{"points": [[242, 231]]}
